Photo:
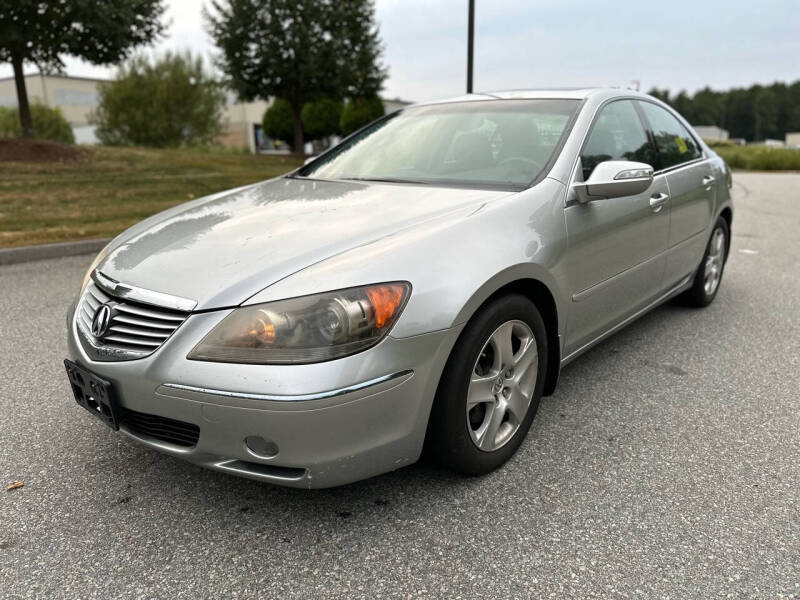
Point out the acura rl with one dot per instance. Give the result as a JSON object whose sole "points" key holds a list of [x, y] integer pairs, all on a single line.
{"points": [[418, 286]]}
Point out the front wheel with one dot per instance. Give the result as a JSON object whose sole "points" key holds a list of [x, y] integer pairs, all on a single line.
{"points": [[709, 273], [491, 387]]}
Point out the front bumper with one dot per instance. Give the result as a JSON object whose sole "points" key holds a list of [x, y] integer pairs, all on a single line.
{"points": [[332, 423]]}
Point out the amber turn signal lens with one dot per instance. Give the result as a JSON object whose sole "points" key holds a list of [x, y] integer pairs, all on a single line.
{"points": [[385, 300]]}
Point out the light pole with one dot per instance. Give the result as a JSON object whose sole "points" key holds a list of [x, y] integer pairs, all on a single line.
{"points": [[470, 44]]}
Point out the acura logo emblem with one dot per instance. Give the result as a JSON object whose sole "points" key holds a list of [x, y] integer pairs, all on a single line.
{"points": [[101, 320]]}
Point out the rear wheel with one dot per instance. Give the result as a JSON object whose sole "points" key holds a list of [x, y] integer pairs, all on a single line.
{"points": [[709, 273], [491, 387]]}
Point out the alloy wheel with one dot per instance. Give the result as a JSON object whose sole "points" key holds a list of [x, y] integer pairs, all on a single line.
{"points": [[714, 261], [501, 385]]}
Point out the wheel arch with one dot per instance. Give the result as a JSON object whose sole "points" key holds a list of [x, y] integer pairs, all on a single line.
{"points": [[537, 288], [538, 293]]}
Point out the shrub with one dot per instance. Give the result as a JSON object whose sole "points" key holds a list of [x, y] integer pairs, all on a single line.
{"points": [[278, 121], [359, 112], [760, 158], [167, 102], [48, 124], [321, 118]]}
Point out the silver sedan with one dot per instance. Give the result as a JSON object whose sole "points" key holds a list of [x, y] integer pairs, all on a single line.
{"points": [[417, 287]]}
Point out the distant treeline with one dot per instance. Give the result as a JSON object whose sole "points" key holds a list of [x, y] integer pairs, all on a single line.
{"points": [[755, 113]]}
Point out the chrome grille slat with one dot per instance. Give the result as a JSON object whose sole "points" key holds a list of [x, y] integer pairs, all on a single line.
{"points": [[95, 293], [134, 330], [92, 302], [146, 312], [144, 323], [131, 341], [139, 331]]}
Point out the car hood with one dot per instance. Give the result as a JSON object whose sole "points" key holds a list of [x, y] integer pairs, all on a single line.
{"points": [[221, 250]]}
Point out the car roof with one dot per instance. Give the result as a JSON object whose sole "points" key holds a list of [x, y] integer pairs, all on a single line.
{"points": [[534, 94]]}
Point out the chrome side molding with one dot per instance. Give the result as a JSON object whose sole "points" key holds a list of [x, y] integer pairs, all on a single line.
{"points": [[682, 285]]}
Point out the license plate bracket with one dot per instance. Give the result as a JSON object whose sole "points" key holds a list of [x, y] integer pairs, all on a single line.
{"points": [[93, 393]]}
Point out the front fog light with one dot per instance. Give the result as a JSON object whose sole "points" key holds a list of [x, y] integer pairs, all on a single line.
{"points": [[307, 329]]}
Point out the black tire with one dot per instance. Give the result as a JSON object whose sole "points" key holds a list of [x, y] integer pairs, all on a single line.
{"points": [[450, 441], [697, 295]]}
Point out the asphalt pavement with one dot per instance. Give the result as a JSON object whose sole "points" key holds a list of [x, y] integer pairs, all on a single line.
{"points": [[667, 465]]}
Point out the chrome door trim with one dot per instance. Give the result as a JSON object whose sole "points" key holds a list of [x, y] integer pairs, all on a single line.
{"points": [[684, 284], [137, 294], [674, 168], [292, 398]]}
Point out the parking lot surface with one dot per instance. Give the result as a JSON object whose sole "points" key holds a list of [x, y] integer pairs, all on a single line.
{"points": [[667, 465]]}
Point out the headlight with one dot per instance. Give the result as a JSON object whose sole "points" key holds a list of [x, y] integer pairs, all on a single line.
{"points": [[308, 329]]}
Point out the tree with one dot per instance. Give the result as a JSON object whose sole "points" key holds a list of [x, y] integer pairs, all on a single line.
{"points": [[321, 118], [662, 95], [684, 105], [278, 121], [766, 114], [360, 112], [361, 45], [752, 113], [707, 105], [299, 51], [98, 31], [164, 102]]}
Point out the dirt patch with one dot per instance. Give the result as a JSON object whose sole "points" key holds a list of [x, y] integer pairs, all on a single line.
{"points": [[39, 151]]}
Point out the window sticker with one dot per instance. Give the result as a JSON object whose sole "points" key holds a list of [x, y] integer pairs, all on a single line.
{"points": [[682, 148]]}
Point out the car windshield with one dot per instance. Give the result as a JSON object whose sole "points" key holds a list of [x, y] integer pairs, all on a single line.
{"points": [[494, 143]]}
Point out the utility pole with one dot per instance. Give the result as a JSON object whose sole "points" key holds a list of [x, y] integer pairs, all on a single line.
{"points": [[470, 44]]}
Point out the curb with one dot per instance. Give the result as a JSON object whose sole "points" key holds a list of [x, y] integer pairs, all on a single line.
{"points": [[10, 256]]}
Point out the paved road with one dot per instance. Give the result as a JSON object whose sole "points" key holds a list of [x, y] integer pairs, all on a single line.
{"points": [[666, 466]]}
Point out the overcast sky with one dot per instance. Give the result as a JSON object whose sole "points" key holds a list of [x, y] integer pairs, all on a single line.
{"points": [[681, 44]]}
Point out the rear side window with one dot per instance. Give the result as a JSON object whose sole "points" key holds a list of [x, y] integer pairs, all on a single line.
{"points": [[675, 144], [617, 134]]}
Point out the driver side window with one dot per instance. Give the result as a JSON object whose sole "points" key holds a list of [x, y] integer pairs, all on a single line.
{"points": [[617, 134]]}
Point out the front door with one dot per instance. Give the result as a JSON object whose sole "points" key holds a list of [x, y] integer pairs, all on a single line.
{"points": [[616, 246]]}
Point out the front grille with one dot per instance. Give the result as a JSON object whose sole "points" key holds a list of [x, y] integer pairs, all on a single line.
{"points": [[134, 329], [171, 431]]}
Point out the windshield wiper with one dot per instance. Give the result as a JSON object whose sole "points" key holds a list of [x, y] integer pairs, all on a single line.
{"points": [[384, 180]]}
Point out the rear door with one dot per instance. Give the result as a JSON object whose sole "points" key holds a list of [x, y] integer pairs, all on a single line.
{"points": [[691, 189], [616, 245]]}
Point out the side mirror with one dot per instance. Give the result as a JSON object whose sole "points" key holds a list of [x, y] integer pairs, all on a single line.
{"points": [[614, 179], [309, 159]]}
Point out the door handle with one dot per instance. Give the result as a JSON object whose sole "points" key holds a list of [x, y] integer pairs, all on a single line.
{"points": [[708, 180], [657, 201]]}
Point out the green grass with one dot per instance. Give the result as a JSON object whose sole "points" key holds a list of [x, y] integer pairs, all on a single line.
{"points": [[759, 158], [113, 188]]}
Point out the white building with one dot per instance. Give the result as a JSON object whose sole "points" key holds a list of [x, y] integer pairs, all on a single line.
{"points": [[711, 133], [793, 139]]}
